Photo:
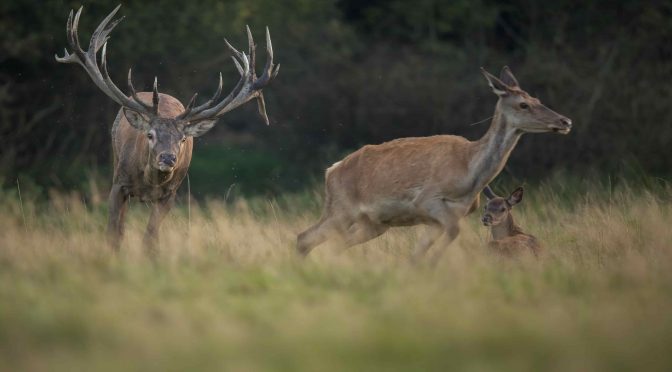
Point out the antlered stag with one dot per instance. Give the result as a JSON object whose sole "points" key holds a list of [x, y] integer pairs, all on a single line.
{"points": [[152, 135], [427, 180]]}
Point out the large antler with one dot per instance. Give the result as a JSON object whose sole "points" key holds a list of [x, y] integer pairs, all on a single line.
{"points": [[248, 87], [87, 59]]}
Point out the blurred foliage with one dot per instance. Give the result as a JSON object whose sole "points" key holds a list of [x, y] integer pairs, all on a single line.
{"points": [[353, 72]]}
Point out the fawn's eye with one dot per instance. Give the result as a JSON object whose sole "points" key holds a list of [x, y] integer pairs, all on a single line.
{"points": [[524, 106]]}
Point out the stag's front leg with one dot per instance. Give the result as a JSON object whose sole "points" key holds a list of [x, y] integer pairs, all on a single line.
{"points": [[118, 204], [159, 210]]}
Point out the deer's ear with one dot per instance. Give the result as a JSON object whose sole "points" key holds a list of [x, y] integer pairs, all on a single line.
{"points": [[489, 194], [137, 120], [498, 87], [515, 197], [506, 76], [199, 128]]}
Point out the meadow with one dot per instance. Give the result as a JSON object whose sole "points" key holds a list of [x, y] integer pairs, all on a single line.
{"points": [[227, 293]]}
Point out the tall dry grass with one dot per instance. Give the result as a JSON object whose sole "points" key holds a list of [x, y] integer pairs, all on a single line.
{"points": [[227, 292]]}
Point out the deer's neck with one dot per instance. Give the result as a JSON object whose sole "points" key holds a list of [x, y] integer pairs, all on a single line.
{"points": [[505, 229], [492, 151]]}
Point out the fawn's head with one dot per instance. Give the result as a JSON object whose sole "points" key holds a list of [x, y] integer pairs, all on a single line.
{"points": [[497, 209], [522, 111]]}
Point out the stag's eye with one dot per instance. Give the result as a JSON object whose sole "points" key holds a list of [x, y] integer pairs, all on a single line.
{"points": [[184, 138], [524, 106], [150, 135]]}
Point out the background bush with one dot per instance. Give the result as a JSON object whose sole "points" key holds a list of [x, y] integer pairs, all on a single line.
{"points": [[353, 72]]}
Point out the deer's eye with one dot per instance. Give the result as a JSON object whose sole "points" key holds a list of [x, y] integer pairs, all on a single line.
{"points": [[184, 138], [150, 135], [502, 209], [524, 106]]}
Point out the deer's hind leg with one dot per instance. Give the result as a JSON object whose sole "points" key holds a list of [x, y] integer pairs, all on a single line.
{"points": [[434, 232], [361, 231], [315, 235]]}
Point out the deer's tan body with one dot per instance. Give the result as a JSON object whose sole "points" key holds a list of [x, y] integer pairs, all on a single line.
{"points": [[397, 182], [433, 181]]}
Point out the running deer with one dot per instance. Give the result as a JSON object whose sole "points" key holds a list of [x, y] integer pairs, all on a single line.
{"points": [[508, 239], [152, 135], [433, 181]]}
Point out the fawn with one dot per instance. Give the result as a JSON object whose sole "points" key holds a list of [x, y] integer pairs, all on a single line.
{"points": [[508, 239]]}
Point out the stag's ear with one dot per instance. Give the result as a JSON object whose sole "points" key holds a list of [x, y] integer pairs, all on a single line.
{"points": [[198, 128], [137, 120], [515, 197], [506, 76], [498, 87]]}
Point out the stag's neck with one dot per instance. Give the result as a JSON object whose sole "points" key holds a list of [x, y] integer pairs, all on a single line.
{"points": [[492, 152], [505, 229]]}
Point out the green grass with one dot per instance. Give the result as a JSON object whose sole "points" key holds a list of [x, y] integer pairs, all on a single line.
{"points": [[226, 292]]}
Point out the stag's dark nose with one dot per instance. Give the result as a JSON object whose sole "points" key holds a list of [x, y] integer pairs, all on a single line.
{"points": [[168, 159]]}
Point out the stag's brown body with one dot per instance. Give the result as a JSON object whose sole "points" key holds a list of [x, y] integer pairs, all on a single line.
{"points": [[133, 172], [152, 135], [433, 181]]}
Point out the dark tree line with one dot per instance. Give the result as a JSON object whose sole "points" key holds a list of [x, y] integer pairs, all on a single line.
{"points": [[353, 72]]}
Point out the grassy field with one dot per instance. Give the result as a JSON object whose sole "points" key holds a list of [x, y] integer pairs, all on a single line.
{"points": [[227, 293]]}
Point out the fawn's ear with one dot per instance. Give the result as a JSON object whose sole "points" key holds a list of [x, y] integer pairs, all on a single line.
{"points": [[489, 194], [515, 197]]}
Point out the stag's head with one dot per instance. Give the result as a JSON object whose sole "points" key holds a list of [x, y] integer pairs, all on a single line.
{"points": [[497, 209], [166, 136], [522, 111]]}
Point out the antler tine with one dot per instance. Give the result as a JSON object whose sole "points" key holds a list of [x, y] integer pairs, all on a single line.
{"points": [[251, 50], [155, 96], [134, 94], [99, 36], [74, 37], [195, 110], [270, 71], [191, 103]]}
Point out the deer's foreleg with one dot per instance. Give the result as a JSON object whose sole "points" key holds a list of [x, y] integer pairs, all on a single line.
{"points": [[159, 211], [118, 204]]}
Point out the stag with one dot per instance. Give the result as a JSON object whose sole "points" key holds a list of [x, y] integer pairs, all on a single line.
{"points": [[433, 181], [508, 239], [152, 134]]}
